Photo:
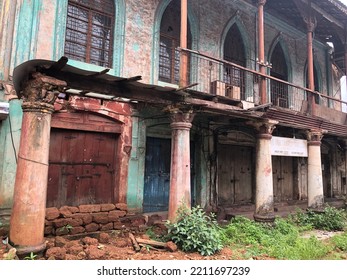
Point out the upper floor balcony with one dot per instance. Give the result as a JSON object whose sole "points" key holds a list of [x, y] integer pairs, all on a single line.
{"points": [[230, 82]]}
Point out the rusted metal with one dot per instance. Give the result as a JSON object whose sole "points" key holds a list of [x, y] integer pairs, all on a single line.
{"points": [[261, 51], [184, 43]]}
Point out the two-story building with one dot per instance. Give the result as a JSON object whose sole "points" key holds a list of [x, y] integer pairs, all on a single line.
{"points": [[150, 104]]}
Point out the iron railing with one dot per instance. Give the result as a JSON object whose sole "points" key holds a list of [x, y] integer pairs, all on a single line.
{"points": [[220, 77]]}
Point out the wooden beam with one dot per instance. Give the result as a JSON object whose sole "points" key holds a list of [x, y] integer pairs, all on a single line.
{"points": [[325, 14]]}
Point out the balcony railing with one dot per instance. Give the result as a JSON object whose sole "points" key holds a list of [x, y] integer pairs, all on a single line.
{"points": [[222, 78]]}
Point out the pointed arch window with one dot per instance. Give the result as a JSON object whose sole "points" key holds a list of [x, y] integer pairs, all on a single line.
{"points": [[279, 91], [234, 51], [89, 31], [169, 42]]}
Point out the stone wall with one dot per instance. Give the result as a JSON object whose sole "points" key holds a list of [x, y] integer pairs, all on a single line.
{"points": [[90, 218]]}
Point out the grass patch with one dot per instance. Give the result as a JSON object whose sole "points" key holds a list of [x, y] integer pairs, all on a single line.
{"points": [[280, 240]]}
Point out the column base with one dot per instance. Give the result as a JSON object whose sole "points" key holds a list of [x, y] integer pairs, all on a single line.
{"points": [[317, 210], [264, 218], [23, 251]]}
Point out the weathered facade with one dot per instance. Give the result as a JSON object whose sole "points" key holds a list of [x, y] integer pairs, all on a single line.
{"points": [[239, 106]]}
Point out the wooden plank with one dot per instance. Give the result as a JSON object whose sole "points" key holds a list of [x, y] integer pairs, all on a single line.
{"points": [[151, 242], [134, 242]]}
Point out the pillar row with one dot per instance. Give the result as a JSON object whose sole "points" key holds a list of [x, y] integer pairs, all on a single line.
{"points": [[180, 194], [264, 198], [29, 199], [315, 177]]}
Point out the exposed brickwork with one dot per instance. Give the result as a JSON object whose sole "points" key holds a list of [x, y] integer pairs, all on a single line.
{"points": [[90, 218]]}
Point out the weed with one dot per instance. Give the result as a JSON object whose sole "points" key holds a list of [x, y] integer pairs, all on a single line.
{"points": [[31, 257], [67, 228], [330, 219], [195, 231], [340, 241]]}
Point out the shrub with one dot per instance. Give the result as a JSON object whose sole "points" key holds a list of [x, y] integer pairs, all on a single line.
{"points": [[195, 231], [243, 231], [330, 219]]}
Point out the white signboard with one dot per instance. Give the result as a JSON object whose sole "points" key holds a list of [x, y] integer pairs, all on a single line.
{"points": [[288, 147]]}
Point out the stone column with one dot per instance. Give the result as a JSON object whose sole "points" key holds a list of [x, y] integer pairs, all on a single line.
{"points": [[264, 200], [315, 178], [181, 123], [29, 199]]}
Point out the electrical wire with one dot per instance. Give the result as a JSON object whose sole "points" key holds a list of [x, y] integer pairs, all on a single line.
{"points": [[12, 140]]}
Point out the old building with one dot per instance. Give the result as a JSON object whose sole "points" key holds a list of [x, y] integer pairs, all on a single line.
{"points": [[145, 105]]}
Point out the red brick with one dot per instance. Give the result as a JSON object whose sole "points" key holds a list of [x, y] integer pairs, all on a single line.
{"points": [[76, 222], [52, 213], [61, 222], [65, 211], [92, 227], [106, 227], [100, 218], [89, 208], [48, 230], [86, 217], [114, 215], [107, 207], [122, 206], [78, 229]]}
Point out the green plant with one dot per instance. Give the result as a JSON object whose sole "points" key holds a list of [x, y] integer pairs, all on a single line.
{"points": [[32, 256], [340, 241], [281, 240], [67, 228], [195, 231], [330, 219]]}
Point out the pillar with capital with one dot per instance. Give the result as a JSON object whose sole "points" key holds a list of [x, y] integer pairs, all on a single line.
{"points": [[264, 199], [315, 178], [29, 199], [181, 123]]}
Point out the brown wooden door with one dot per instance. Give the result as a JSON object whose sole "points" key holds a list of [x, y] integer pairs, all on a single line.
{"points": [[282, 170], [81, 168], [235, 175]]}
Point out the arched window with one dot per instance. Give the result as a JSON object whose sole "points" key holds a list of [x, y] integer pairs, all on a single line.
{"points": [[234, 51], [169, 56], [279, 91], [89, 31]]}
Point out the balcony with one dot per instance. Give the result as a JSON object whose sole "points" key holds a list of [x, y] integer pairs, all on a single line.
{"points": [[224, 79]]}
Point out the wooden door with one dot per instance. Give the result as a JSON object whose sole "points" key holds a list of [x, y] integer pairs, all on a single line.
{"points": [[326, 174], [81, 168], [157, 175], [235, 174], [282, 170]]}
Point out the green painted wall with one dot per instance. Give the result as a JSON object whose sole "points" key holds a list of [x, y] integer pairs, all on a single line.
{"points": [[9, 139], [137, 166]]}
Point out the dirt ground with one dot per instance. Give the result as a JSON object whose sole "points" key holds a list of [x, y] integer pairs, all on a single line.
{"points": [[116, 245], [113, 245]]}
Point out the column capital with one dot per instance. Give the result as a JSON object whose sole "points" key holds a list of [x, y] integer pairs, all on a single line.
{"points": [[264, 128], [314, 136], [40, 93], [311, 23], [180, 115], [10, 92], [261, 2]]}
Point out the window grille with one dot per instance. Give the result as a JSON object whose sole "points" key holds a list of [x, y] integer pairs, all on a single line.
{"points": [[89, 31]]}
